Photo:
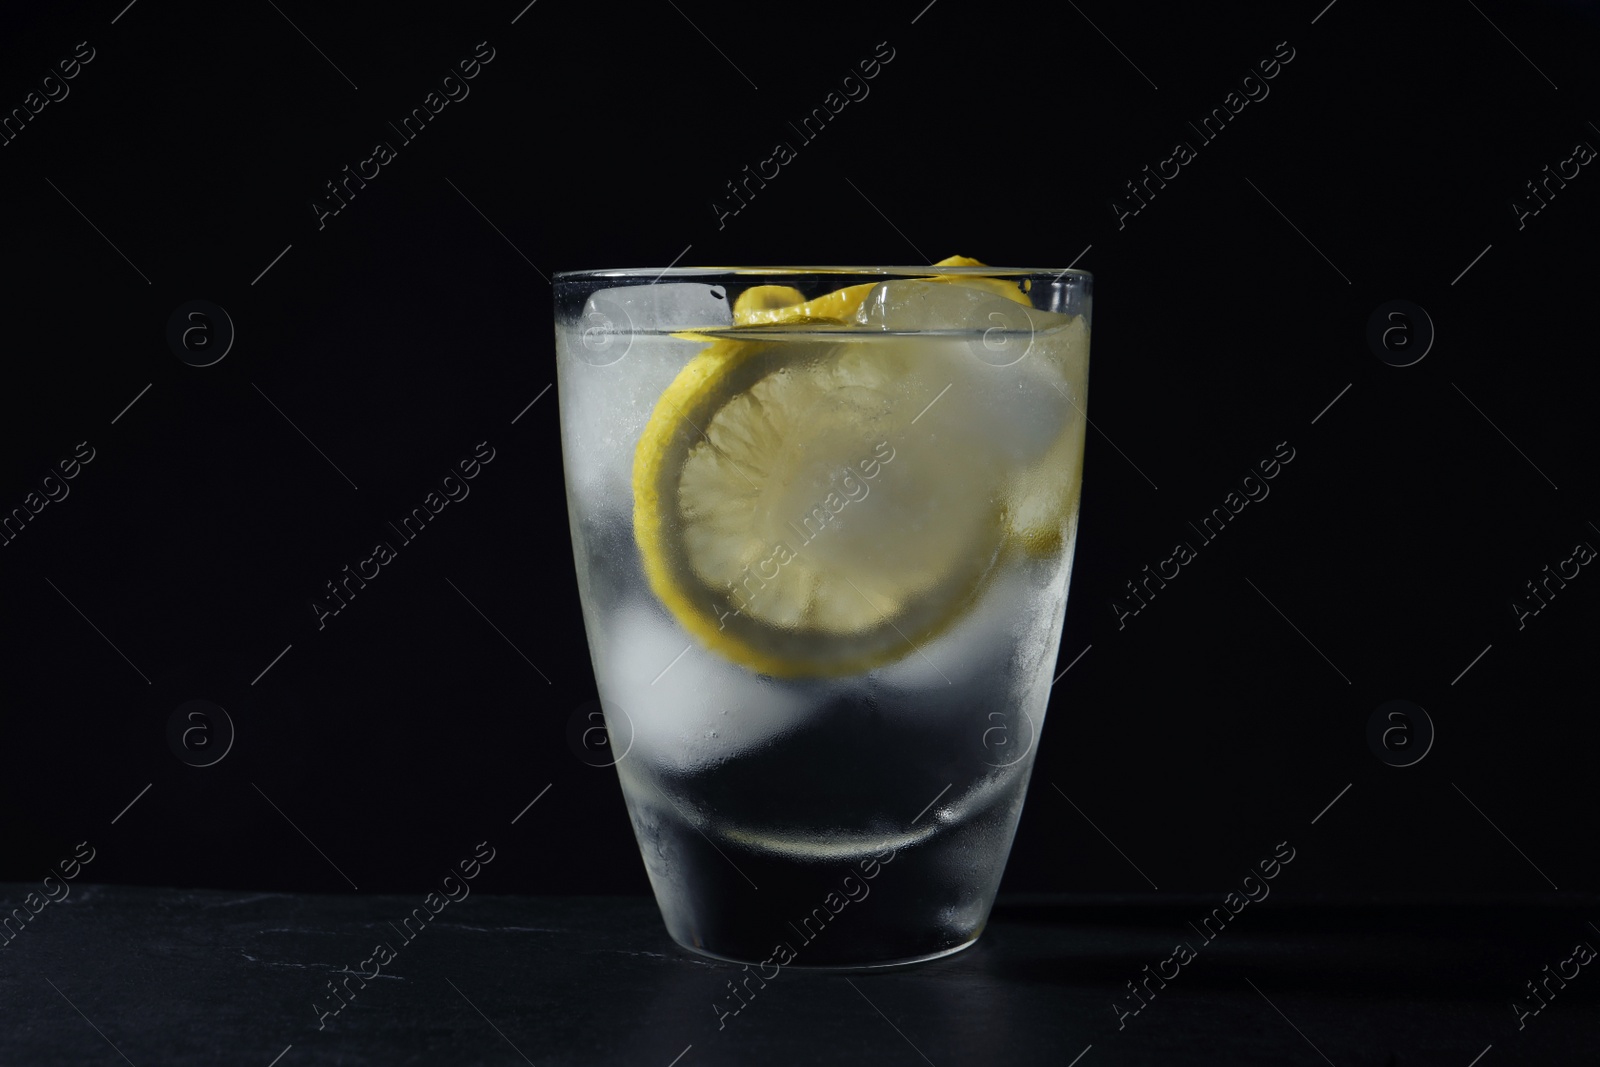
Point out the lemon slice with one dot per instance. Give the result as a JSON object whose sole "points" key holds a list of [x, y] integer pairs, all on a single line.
{"points": [[764, 304], [816, 505], [800, 507], [1044, 496]]}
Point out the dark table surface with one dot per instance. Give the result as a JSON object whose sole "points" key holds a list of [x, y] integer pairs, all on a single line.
{"points": [[161, 976]]}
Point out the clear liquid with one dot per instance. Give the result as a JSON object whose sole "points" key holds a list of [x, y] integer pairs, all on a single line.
{"points": [[760, 805]]}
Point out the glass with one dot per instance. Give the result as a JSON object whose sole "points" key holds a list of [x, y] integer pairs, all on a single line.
{"points": [[823, 520]]}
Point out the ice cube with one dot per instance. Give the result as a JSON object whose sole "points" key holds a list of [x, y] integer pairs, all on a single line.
{"points": [[909, 304], [616, 362], [1011, 377], [689, 707], [604, 410], [663, 308]]}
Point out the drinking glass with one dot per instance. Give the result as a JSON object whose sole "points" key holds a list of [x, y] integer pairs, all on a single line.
{"points": [[823, 521]]}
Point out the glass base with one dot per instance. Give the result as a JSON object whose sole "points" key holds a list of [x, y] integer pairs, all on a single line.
{"points": [[826, 968]]}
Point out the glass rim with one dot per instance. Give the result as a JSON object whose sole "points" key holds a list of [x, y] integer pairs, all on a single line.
{"points": [[655, 274]]}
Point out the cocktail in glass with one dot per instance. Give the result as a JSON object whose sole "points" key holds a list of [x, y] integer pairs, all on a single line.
{"points": [[823, 521]]}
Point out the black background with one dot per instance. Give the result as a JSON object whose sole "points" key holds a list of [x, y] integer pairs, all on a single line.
{"points": [[416, 323]]}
